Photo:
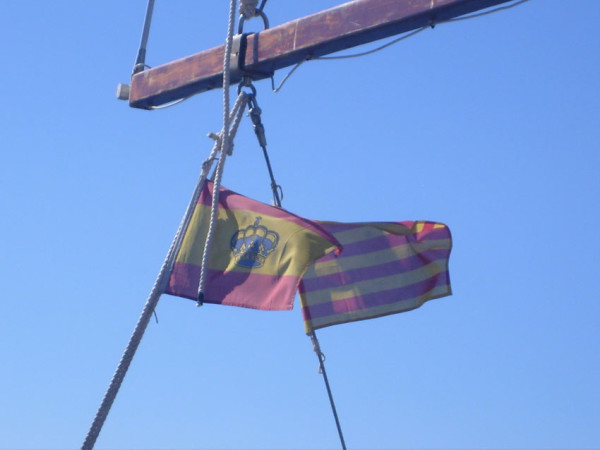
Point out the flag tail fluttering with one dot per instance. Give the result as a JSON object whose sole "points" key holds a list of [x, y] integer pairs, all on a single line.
{"points": [[383, 268]]}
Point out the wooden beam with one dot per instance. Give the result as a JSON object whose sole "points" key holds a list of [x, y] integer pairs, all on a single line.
{"points": [[329, 31]]}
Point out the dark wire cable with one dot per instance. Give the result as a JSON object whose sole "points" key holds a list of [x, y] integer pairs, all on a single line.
{"points": [[321, 357], [140, 62]]}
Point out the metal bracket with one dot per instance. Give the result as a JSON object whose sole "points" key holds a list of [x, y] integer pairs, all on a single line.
{"points": [[238, 56], [237, 61]]}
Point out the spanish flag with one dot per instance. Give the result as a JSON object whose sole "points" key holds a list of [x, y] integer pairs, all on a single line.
{"points": [[258, 255], [383, 268]]}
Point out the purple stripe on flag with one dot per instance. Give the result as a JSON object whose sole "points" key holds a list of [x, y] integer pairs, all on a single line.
{"points": [[227, 288], [358, 303], [335, 227], [378, 243], [399, 266]]}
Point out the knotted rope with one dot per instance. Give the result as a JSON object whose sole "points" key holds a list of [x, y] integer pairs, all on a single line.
{"points": [[235, 119], [225, 149], [160, 284], [223, 145], [248, 8]]}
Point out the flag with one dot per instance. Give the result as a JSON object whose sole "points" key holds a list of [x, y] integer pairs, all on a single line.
{"points": [[383, 268], [257, 257]]}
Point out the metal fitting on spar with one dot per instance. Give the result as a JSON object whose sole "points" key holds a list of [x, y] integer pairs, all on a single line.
{"points": [[123, 91]]}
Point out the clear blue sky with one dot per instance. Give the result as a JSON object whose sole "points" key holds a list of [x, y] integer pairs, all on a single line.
{"points": [[490, 126]]}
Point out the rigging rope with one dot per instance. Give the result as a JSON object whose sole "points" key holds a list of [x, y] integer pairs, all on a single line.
{"points": [[235, 118], [255, 112], [160, 283], [485, 13], [140, 62], [321, 357], [433, 24], [223, 145], [149, 308], [368, 52], [225, 148], [248, 8]]}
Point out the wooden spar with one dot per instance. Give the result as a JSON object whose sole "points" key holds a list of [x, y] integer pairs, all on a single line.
{"points": [[347, 25]]}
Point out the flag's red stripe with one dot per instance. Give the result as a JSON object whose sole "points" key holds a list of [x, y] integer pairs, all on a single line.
{"points": [[279, 291], [229, 200], [364, 302], [337, 227], [399, 266]]}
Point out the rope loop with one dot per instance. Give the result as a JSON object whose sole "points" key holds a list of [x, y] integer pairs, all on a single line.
{"points": [[248, 8], [234, 119], [319, 353], [247, 83], [248, 12]]}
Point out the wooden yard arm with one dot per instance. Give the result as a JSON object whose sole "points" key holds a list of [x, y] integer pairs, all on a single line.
{"points": [[347, 25]]}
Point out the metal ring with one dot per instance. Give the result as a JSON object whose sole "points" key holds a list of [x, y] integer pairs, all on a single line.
{"points": [[243, 19], [246, 82]]}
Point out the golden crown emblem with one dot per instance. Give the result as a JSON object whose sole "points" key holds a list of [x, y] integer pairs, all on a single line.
{"points": [[252, 245]]}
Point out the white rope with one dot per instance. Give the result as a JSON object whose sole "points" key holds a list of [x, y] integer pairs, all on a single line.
{"points": [[225, 149], [150, 306], [248, 8], [223, 145], [225, 142], [236, 117]]}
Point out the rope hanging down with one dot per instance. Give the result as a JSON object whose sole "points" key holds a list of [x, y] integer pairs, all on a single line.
{"points": [[321, 357], [255, 115], [159, 284], [222, 145], [225, 149], [149, 307], [222, 148], [236, 117]]}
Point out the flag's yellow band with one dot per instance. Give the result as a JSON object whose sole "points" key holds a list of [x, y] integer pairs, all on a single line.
{"points": [[283, 260]]}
